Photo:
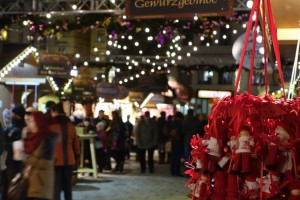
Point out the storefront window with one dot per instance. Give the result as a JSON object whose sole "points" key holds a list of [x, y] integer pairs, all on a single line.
{"points": [[226, 78], [205, 77]]}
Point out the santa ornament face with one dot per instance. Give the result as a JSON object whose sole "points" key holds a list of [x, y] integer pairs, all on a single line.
{"points": [[282, 135]]}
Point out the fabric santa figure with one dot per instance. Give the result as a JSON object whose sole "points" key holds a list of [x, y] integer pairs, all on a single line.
{"points": [[200, 188], [243, 150], [270, 185], [283, 135], [213, 145], [227, 150], [250, 188]]}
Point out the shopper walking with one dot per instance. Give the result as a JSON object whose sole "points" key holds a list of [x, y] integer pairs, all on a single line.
{"points": [[162, 137], [118, 130], [67, 152], [39, 147], [176, 144], [103, 117], [146, 136], [11, 134], [189, 128], [101, 144], [129, 140]]}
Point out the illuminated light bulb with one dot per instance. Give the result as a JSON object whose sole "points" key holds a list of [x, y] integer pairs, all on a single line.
{"points": [[195, 48], [216, 41], [261, 50], [130, 67], [179, 57], [77, 55], [207, 44], [202, 38], [224, 37], [227, 26], [25, 22], [188, 54], [109, 43], [259, 39], [137, 76], [249, 4], [150, 38], [130, 37], [97, 59], [215, 32], [120, 82], [152, 70], [107, 52], [124, 47], [159, 46], [131, 78], [234, 31], [48, 15], [190, 43], [136, 44], [74, 7], [157, 57], [85, 63], [196, 18], [140, 52], [147, 30]]}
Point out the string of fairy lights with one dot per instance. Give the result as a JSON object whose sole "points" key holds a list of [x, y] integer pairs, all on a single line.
{"points": [[145, 46]]}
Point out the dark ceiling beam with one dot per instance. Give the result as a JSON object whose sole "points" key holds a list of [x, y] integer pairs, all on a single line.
{"points": [[72, 7]]}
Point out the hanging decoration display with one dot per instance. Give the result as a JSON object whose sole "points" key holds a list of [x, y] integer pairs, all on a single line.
{"points": [[250, 148]]}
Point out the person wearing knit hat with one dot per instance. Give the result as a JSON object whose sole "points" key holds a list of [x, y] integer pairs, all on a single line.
{"points": [[18, 110]]}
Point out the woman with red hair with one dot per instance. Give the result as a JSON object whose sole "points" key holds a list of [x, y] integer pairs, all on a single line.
{"points": [[39, 147]]}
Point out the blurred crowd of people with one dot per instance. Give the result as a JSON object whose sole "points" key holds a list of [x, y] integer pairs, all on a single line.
{"points": [[45, 143], [49, 144]]}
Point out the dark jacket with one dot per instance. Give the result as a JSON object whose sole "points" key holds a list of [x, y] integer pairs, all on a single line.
{"points": [[11, 134], [118, 131], [146, 134]]}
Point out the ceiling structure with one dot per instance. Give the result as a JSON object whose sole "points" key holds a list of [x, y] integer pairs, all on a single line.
{"points": [[287, 19], [59, 7], [214, 55]]}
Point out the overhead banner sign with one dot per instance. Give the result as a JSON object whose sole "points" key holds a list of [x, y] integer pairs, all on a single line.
{"points": [[143, 9], [54, 64]]}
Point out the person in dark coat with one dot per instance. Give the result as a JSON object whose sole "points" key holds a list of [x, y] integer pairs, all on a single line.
{"points": [[189, 128], [118, 130], [147, 138], [163, 137], [177, 149], [11, 134]]}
